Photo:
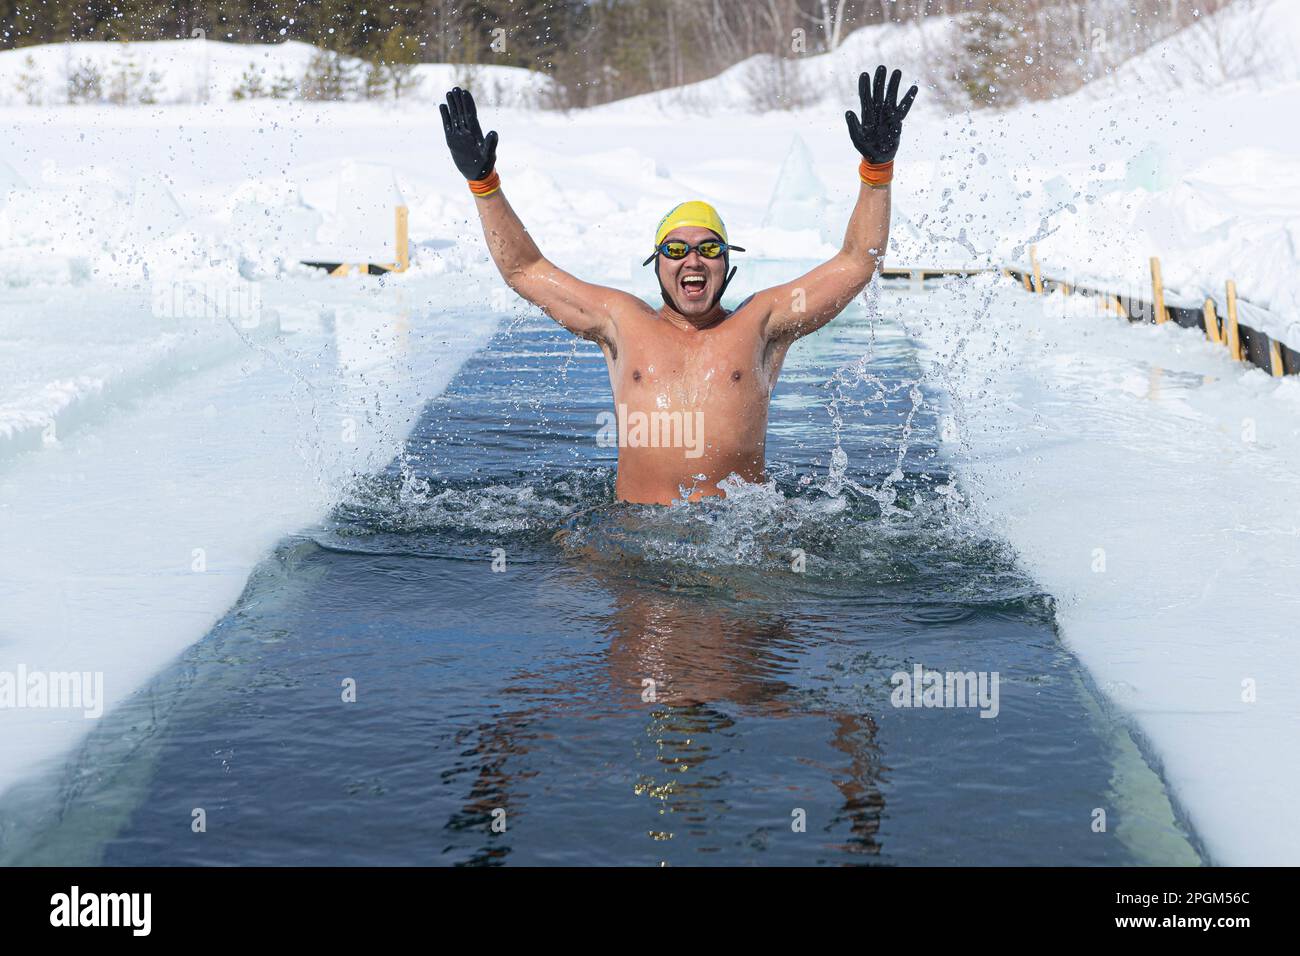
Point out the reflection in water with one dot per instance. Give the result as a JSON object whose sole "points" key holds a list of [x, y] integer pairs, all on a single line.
{"points": [[683, 657], [688, 675]]}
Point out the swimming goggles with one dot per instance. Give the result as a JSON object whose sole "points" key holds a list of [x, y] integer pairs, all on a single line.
{"points": [[680, 249]]}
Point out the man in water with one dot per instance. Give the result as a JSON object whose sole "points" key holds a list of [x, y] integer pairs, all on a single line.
{"points": [[691, 380]]}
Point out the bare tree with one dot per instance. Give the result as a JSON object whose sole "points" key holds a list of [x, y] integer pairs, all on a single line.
{"points": [[830, 20]]}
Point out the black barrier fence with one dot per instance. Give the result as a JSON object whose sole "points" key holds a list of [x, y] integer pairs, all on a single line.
{"points": [[1256, 346]]}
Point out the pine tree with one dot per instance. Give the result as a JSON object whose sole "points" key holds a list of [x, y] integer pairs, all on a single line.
{"points": [[29, 82], [85, 83], [249, 86], [985, 70], [329, 77], [398, 55], [283, 86]]}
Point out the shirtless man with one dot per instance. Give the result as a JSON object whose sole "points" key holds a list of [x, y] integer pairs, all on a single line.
{"points": [[691, 380]]}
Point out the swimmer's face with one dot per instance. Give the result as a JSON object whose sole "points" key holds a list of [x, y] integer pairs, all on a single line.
{"points": [[693, 282]]}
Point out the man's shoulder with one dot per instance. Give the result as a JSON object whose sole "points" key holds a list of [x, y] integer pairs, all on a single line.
{"points": [[756, 306], [752, 307], [628, 304]]}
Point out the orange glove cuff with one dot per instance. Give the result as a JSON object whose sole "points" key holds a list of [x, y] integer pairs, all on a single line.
{"points": [[486, 186], [876, 175]]}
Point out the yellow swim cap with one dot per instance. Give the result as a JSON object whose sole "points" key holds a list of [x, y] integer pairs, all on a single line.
{"points": [[693, 213]]}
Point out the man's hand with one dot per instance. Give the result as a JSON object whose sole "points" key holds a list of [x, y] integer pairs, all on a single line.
{"points": [[474, 154], [876, 134]]}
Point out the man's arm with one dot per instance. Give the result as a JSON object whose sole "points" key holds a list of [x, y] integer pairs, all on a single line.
{"points": [[809, 302], [582, 308], [812, 300]]}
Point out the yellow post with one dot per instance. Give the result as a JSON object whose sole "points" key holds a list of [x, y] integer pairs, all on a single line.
{"points": [[1211, 322], [403, 222], [1119, 306], [1275, 358], [1065, 288], [1028, 283], [1158, 292], [1038, 276], [341, 270], [1231, 335]]}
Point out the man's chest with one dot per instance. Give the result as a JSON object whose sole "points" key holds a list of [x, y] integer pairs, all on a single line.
{"points": [[688, 364], [660, 375]]}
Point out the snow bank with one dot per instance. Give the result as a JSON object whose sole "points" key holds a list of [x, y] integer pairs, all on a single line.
{"points": [[1178, 154], [1186, 161], [1149, 483], [1127, 168], [171, 465], [1251, 43]]}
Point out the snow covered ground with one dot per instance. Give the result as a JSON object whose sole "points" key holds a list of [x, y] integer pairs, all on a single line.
{"points": [[1150, 484], [166, 457], [134, 444]]}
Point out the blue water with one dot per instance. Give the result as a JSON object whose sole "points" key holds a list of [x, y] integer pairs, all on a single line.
{"points": [[517, 696]]}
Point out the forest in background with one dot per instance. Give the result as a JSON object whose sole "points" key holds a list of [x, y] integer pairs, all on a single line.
{"points": [[597, 51]]}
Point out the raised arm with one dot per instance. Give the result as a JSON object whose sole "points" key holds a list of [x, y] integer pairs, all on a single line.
{"points": [[812, 300], [582, 308]]}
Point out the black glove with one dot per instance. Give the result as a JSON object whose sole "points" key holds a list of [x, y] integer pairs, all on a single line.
{"points": [[876, 135], [474, 154]]}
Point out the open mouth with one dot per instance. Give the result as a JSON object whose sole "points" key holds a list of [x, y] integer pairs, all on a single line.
{"points": [[693, 285]]}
